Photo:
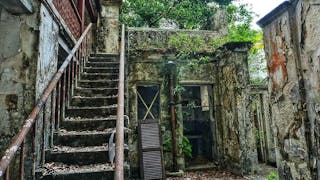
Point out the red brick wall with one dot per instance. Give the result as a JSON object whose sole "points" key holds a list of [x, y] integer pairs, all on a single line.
{"points": [[69, 15]]}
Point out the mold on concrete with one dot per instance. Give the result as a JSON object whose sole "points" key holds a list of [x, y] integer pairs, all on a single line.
{"points": [[108, 28], [292, 51], [226, 72]]}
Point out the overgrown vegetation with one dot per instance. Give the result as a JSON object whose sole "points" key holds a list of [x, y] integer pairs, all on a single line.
{"points": [[188, 14], [273, 176], [185, 146], [196, 14]]}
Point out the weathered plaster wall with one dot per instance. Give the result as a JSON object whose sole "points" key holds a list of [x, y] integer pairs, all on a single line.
{"points": [[260, 115], [286, 100], [46, 68], [227, 72], [158, 39], [48, 50], [236, 143], [18, 64], [108, 27], [28, 51], [292, 50], [308, 28]]}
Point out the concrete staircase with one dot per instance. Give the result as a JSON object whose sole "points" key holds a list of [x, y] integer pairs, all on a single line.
{"points": [[80, 149]]}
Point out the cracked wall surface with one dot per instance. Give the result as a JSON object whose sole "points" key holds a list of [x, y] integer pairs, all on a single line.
{"points": [[292, 48], [108, 27], [263, 124], [28, 60], [227, 71], [18, 64]]}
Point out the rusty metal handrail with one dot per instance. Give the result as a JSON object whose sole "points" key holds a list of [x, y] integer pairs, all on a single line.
{"points": [[119, 175], [55, 84]]}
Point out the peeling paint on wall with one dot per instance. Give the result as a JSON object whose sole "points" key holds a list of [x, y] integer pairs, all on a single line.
{"points": [[292, 49]]}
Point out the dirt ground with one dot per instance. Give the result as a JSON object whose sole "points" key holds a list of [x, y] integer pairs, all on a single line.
{"points": [[215, 174], [208, 174]]}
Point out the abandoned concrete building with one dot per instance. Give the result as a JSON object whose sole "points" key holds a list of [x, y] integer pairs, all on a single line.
{"points": [[82, 97]]}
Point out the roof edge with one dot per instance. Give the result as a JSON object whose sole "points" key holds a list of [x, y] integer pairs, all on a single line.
{"points": [[267, 19]]}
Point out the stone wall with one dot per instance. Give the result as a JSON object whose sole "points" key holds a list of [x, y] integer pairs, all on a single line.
{"points": [[158, 39], [19, 40], [227, 72], [292, 48], [236, 142], [28, 61], [108, 27], [261, 117]]}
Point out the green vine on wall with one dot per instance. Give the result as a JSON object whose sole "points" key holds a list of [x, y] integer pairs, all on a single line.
{"points": [[185, 146]]}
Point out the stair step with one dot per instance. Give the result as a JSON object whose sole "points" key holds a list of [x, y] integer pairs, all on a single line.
{"points": [[101, 69], [98, 76], [103, 55], [102, 64], [91, 112], [79, 91], [82, 138], [98, 83], [59, 171], [78, 155], [103, 59], [81, 101], [82, 124]]}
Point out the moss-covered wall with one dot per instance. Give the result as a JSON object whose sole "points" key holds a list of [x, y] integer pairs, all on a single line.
{"points": [[292, 49], [261, 117], [28, 61], [227, 72], [19, 38]]}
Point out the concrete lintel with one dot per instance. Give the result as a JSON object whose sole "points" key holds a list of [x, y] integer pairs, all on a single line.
{"points": [[17, 6]]}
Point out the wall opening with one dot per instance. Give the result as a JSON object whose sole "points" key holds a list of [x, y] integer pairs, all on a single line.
{"points": [[148, 102], [197, 110]]}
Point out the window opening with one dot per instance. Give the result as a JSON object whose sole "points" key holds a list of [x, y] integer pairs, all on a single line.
{"points": [[148, 102]]}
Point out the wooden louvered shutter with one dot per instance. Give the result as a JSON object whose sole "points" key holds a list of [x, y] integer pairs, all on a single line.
{"points": [[150, 150]]}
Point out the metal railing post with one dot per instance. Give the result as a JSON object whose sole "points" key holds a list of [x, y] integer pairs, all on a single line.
{"points": [[119, 175]]}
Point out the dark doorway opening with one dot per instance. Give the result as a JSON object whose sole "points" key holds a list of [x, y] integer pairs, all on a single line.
{"points": [[197, 114]]}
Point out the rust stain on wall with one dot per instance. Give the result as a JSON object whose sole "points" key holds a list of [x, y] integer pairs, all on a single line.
{"points": [[278, 70]]}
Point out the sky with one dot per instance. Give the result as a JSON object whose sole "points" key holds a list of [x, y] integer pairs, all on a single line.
{"points": [[262, 7]]}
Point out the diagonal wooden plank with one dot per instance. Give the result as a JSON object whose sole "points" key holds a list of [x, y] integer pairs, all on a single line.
{"points": [[149, 109]]}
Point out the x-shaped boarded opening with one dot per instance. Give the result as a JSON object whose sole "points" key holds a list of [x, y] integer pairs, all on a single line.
{"points": [[149, 98]]}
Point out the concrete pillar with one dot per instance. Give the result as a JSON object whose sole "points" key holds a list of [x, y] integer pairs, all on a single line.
{"points": [[108, 27]]}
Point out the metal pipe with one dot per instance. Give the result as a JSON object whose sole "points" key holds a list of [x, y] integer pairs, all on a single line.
{"points": [[68, 90], [173, 123], [43, 140], [34, 148], [22, 151], [119, 175], [52, 114], [58, 90], [7, 174], [30, 122]]}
